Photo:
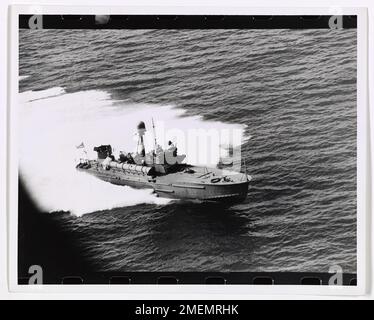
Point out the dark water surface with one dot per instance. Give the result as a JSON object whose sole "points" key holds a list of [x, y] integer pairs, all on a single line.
{"points": [[294, 90]]}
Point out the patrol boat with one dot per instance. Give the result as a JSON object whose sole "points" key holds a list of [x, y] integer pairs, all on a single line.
{"points": [[165, 173]]}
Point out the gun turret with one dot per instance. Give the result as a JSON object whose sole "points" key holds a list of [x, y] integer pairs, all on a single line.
{"points": [[103, 151]]}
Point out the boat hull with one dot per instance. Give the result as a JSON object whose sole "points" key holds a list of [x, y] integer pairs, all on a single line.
{"points": [[174, 186]]}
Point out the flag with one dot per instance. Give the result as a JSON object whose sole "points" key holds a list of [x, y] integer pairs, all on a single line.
{"points": [[80, 146]]}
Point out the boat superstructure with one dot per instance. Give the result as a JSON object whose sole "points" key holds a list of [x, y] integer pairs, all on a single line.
{"points": [[165, 173]]}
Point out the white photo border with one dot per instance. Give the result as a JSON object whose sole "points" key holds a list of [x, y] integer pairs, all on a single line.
{"points": [[192, 291]]}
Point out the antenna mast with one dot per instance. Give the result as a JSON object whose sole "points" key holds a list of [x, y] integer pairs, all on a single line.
{"points": [[154, 136]]}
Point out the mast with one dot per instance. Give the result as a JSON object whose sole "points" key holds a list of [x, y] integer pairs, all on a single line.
{"points": [[155, 140], [141, 131]]}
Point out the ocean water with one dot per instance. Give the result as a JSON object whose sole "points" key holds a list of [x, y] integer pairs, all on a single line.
{"points": [[290, 94]]}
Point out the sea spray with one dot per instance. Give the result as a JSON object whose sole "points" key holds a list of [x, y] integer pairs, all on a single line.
{"points": [[53, 123]]}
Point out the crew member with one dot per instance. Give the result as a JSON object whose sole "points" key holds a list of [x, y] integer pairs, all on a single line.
{"points": [[171, 145], [172, 148], [122, 157], [130, 159]]}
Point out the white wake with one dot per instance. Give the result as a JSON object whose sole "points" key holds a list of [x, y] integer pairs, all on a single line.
{"points": [[53, 122]]}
